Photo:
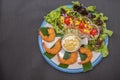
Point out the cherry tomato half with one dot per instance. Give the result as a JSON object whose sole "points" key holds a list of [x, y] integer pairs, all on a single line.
{"points": [[67, 20], [94, 32], [81, 25]]}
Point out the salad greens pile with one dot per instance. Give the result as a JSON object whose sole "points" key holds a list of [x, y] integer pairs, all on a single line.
{"points": [[53, 18], [90, 12]]}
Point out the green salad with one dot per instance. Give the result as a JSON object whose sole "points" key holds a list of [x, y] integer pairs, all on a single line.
{"points": [[87, 20]]}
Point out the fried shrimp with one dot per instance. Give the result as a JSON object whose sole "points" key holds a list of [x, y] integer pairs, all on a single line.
{"points": [[72, 59], [51, 35], [56, 48], [88, 53]]}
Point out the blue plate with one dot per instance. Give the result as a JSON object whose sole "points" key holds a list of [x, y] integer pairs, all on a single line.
{"points": [[67, 70]]}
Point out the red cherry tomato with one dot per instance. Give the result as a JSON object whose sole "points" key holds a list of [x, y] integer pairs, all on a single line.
{"points": [[93, 31], [67, 20], [81, 25]]}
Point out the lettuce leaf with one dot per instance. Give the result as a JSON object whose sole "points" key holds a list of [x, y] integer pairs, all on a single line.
{"points": [[91, 8], [103, 49], [108, 32], [103, 36], [76, 3], [101, 16]]}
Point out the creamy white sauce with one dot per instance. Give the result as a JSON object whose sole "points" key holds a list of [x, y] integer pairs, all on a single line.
{"points": [[71, 43]]}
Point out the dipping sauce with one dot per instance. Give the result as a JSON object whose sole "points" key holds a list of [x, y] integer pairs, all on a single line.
{"points": [[71, 43]]}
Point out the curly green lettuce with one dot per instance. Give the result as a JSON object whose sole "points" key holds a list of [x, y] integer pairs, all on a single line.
{"points": [[53, 19], [91, 8]]}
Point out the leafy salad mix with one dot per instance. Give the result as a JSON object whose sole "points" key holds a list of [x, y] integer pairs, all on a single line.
{"points": [[87, 20]]}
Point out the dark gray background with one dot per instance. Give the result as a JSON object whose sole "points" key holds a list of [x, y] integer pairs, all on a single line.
{"points": [[20, 58]]}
